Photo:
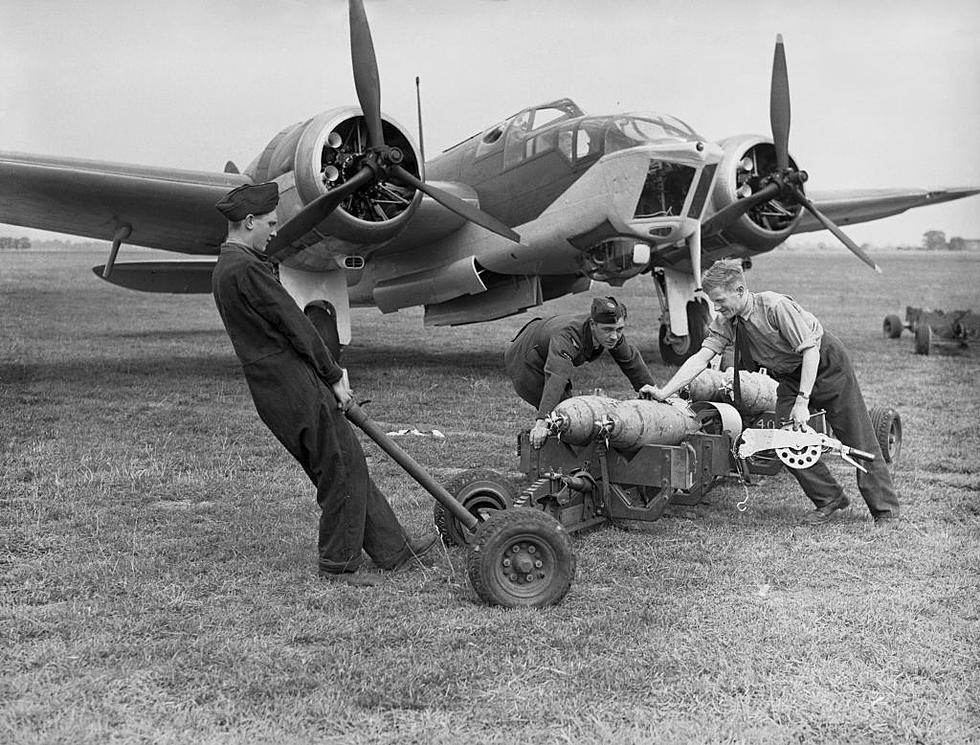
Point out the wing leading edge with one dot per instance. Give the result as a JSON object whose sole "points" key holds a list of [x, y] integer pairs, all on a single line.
{"points": [[167, 208], [861, 205]]}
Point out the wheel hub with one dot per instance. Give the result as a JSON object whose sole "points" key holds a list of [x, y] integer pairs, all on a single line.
{"points": [[523, 563]]}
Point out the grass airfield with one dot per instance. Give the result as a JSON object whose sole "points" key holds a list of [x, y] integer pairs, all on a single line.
{"points": [[157, 545]]}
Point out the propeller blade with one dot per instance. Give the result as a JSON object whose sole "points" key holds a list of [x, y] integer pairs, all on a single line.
{"points": [[827, 223], [367, 83], [313, 214], [457, 205], [779, 113], [723, 218]]}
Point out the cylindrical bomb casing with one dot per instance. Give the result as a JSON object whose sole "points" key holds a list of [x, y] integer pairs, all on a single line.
{"points": [[710, 385], [638, 422], [574, 419], [758, 391]]}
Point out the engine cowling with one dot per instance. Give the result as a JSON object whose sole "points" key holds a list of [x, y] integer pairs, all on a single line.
{"points": [[747, 161], [309, 158]]}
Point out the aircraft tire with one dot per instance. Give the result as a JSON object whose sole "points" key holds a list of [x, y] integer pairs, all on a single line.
{"points": [[481, 491], [324, 319], [521, 558], [698, 318], [888, 431], [892, 326]]}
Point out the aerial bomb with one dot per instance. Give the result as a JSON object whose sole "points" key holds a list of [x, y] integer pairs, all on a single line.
{"points": [[633, 424], [575, 420], [758, 389]]}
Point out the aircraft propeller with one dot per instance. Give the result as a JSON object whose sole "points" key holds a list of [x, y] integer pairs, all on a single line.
{"points": [[785, 183], [379, 161]]}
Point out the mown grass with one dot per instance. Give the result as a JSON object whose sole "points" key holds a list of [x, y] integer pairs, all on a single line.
{"points": [[157, 546]]}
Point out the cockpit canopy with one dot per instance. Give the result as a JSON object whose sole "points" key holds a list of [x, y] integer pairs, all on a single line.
{"points": [[561, 125]]}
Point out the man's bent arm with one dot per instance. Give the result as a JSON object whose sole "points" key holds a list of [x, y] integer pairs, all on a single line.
{"points": [[692, 367]]}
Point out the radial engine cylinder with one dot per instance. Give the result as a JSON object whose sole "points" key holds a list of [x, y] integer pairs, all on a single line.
{"points": [[575, 420], [635, 423], [758, 390]]}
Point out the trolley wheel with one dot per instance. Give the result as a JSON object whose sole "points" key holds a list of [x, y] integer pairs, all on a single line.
{"points": [[888, 430], [482, 492], [892, 327], [521, 558], [923, 338]]}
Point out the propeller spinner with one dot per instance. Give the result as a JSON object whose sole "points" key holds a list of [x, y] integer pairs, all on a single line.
{"points": [[378, 162], [785, 183]]}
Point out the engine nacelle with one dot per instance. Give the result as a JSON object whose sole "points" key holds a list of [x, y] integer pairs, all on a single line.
{"points": [[747, 161], [309, 158]]}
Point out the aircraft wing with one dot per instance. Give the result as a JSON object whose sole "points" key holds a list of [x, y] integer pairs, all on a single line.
{"points": [[167, 208], [862, 205]]}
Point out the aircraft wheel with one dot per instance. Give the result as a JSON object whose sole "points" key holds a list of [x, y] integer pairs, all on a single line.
{"points": [[923, 338], [521, 558], [324, 318], [676, 351], [892, 327], [482, 492], [888, 431]]}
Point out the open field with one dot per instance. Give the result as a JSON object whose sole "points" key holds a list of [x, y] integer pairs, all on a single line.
{"points": [[157, 567]]}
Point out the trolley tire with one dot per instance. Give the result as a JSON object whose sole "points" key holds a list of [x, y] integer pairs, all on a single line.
{"points": [[888, 431], [481, 491], [522, 558], [923, 338], [892, 327]]}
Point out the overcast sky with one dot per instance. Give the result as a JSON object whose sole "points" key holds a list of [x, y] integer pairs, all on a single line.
{"points": [[885, 93]]}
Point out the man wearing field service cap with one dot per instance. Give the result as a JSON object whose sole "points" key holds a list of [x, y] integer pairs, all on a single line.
{"points": [[300, 393], [813, 370], [541, 356]]}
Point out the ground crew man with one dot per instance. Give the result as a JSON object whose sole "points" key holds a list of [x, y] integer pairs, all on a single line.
{"points": [[300, 392], [541, 356], [811, 367]]}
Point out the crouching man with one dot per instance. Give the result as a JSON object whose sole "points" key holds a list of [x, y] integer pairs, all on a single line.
{"points": [[541, 357]]}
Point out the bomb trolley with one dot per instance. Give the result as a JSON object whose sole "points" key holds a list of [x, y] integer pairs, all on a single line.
{"points": [[930, 327], [580, 482]]}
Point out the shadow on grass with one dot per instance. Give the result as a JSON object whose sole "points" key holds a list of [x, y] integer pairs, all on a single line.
{"points": [[100, 371], [185, 369], [486, 360]]}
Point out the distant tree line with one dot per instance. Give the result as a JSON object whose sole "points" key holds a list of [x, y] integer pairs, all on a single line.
{"points": [[935, 240], [14, 243]]}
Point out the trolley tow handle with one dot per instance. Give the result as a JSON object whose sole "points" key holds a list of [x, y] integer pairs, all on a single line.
{"points": [[357, 415]]}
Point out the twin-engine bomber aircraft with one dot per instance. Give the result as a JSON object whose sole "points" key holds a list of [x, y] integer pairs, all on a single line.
{"points": [[533, 208]]}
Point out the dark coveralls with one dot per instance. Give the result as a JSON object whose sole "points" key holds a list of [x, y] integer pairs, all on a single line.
{"points": [[778, 331], [540, 359], [289, 373]]}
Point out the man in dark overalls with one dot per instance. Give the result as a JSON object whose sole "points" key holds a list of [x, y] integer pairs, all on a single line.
{"points": [[811, 366], [540, 359], [300, 393]]}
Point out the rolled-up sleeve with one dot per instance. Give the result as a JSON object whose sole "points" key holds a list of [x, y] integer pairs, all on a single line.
{"points": [[720, 335], [798, 327]]}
